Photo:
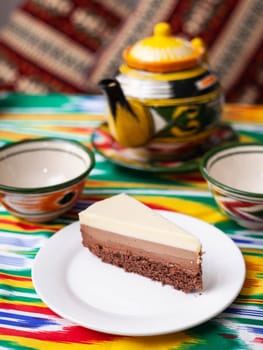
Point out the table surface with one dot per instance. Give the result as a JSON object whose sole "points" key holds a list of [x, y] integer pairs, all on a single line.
{"points": [[25, 321]]}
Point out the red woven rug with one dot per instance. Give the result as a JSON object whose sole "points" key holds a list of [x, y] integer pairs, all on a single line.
{"points": [[69, 45]]}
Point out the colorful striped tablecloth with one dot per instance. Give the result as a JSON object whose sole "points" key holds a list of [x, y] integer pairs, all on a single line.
{"points": [[27, 323]]}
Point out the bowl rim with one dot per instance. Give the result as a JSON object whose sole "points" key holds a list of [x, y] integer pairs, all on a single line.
{"points": [[45, 189], [204, 171]]}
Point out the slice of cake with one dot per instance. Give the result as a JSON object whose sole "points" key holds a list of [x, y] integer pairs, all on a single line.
{"points": [[124, 232]]}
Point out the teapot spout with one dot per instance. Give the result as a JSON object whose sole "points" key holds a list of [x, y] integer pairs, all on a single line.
{"points": [[130, 122], [114, 95]]}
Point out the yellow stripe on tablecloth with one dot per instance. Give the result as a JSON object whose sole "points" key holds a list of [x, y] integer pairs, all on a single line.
{"points": [[246, 113], [15, 225], [196, 209], [20, 284], [164, 342], [243, 113], [46, 116], [130, 186], [246, 138], [12, 136], [44, 344], [253, 284]]}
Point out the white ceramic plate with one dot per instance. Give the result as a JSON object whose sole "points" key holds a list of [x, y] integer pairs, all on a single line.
{"points": [[79, 287]]}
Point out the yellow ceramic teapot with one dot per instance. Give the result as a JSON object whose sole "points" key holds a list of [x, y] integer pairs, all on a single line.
{"points": [[165, 92]]}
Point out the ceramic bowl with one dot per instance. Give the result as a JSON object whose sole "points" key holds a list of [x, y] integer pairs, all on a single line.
{"points": [[234, 174], [40, 179]]}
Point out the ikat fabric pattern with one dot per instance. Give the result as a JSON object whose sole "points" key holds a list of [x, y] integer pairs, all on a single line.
{"points": [[27, 323]]}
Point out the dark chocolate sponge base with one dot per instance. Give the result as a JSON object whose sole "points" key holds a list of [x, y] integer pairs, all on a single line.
{"points": [[166, 273]]}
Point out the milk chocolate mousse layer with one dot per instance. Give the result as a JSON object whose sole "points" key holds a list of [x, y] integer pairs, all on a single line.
{"points": [[169, 265]]}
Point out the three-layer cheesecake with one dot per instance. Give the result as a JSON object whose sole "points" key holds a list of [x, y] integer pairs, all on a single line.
{"points": [[124, 232]]}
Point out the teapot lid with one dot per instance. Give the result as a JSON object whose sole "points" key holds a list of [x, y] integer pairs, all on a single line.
{"points": [[163, 52]]}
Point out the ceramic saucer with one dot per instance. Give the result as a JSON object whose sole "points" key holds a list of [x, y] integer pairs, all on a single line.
{"points": [[105, 145]]}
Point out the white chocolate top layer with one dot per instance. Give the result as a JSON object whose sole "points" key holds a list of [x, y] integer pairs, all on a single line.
{"points": [[126, 216]]}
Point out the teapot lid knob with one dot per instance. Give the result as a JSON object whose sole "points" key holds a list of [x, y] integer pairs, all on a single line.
{"points": [[162, 29]]}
